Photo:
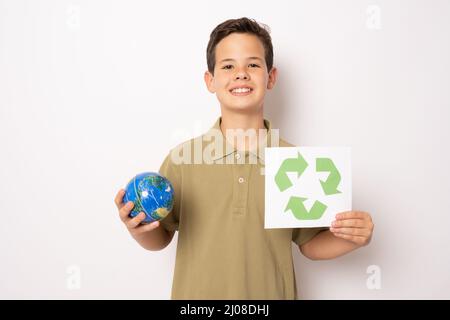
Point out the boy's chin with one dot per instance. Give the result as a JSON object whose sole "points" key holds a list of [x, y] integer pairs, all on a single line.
{"points": [[241, 106]]}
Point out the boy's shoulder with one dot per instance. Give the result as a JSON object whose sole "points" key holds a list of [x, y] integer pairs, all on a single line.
{"points": [[186, 151], [284, 143]]}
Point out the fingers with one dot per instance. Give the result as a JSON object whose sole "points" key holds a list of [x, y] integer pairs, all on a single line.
{"points": [[354, 223], [359, 232], [353, 215], [124, 211], [132, 223], [147, 227], [136, 221], [355, 226], [355, 239], [119, 198]]}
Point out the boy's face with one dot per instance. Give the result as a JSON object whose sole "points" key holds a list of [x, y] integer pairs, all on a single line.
{"points": [[240, 63]]}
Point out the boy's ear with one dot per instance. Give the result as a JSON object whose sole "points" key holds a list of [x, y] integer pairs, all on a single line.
{"points": [[272, 78], [209, 81]]}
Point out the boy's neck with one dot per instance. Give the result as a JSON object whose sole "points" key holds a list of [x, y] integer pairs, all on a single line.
{"points": [[242, 121], [233, 121]]}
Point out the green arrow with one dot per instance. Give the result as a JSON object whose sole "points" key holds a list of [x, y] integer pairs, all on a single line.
{"points": [[297, 207], [330, 185], [298, 165]]}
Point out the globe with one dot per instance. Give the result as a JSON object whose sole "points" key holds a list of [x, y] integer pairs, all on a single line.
{"points": [[152, 194]]}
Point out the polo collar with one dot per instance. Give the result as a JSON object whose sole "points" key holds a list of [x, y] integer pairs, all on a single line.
{"points": [[228, 149]]}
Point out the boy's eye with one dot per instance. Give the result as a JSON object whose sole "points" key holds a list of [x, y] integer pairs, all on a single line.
{"points": [[229, 66]]}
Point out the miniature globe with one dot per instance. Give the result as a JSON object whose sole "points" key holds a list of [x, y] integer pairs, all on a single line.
{"points": [[152, 194]]}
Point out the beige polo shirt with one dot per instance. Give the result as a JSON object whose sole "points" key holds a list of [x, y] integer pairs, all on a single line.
{"points": [[223, 250]]}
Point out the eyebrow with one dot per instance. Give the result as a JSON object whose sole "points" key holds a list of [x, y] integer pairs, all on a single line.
{"points": [[249, 58]]}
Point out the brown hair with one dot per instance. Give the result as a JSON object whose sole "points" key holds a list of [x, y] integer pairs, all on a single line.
{"points": [[242, 25]]}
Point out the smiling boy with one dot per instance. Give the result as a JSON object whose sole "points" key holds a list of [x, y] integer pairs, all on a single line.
{"points": [[223, 250]]}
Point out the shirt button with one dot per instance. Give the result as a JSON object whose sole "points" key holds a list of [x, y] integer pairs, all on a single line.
{"points": [[238, 156], [241, 180]]}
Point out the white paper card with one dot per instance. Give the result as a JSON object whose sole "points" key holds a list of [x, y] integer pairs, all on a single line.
{"points": [[306, 186]]}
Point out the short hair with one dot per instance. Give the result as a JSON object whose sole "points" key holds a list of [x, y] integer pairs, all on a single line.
{"points": [[241, 25]]}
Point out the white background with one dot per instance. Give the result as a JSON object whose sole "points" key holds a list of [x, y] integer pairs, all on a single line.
{"points": [[93, 92]]}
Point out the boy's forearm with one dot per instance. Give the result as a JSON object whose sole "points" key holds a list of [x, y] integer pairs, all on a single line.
{"points": [[154, 240], [326, 246]]}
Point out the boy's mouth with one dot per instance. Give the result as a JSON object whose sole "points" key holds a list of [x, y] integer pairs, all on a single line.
{"points": [[241, 91]]}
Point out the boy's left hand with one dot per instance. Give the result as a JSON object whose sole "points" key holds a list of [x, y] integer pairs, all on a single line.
{"points": [[355, 226]]}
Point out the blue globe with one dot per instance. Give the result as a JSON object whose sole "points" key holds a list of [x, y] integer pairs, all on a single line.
{"points": [[150, 193]]}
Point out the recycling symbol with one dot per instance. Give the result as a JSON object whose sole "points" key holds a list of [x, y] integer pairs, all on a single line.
{"points": [[299, 165]]}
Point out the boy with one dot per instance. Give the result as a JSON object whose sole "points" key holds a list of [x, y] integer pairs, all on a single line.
{"points": [[223, 250]]}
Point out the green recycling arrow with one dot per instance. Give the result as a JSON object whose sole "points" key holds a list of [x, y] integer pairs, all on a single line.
{"points": [[298, 165], [297, 207], [330, 185]]}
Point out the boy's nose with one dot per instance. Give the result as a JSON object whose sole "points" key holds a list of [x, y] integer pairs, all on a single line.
{"points": [[241, 75]]}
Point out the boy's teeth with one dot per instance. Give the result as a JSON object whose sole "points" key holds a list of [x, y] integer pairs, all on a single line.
{"points": [[241, 90]]}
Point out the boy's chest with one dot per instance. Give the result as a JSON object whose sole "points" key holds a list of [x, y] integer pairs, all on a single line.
{"points": [[236, 190], [225, 203]]}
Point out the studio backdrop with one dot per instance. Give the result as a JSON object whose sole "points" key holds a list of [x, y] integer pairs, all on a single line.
{"points": [[94, 92]]}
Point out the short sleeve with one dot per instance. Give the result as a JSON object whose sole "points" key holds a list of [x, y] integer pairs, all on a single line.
{"points": [[303, 235], [171, 171]]}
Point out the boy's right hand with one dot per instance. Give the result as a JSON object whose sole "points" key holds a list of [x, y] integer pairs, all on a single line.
{"points": [[133, 224]]}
